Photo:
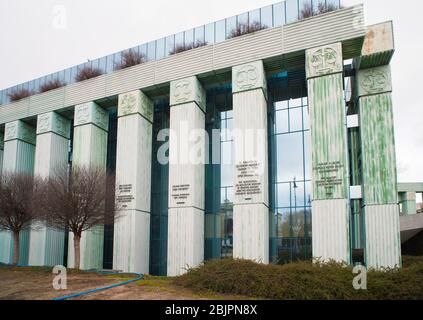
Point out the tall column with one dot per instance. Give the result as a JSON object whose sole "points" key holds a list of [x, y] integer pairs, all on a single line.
{"points": [[18, 157], [380, 192], [408, 201], [91, 124], [53, 134], [186, 176], [251, 194], [330, 206], [131, 245]]}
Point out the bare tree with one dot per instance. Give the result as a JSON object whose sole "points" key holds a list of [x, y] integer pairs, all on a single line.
{"points": [[21, 196], [76, 202]]}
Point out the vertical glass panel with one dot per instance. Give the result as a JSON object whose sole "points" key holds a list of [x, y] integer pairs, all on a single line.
{"points": [[230, 26], [220, 31], [284, 195], [279, 14], [227, 167], [209, 33], [254, 16], [160, 49], [297, 194], [243, 19], [151, 51], [295, 103], [308, 193], [170, 45], [189, 38], [199, 35], [318, 5], [282, 121], [306, 10], [143, 50], [281, 105], [290, 157], [298, 223], [284, 225], [291, 11], [102, 64], [267, 17], [296, 119], [179, 40], [332, 4]]}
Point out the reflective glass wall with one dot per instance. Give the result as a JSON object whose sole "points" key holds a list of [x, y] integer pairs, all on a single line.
{"points": [[268, 17]]}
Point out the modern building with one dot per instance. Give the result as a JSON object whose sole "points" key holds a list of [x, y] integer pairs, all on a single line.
{"points": [[297, 96]]}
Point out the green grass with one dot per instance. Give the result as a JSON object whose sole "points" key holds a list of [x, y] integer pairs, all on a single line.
{"points": [[304, 280]]}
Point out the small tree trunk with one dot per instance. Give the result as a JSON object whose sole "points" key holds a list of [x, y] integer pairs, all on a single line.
{"points": [[77, 247], [15, 248]]}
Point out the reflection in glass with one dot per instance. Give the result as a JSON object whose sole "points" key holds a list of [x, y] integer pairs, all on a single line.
{"points": [[267, 17], [290, 157], [291, 11], [220, 31], [279, 14]]}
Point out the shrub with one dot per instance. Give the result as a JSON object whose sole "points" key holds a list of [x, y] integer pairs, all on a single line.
{"points": [[245, 28], [51, 85], [181, 47], [87, 73], [20, 94], [302, 280], [130, 58]]}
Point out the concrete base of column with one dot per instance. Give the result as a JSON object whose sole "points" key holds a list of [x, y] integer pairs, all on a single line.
{"points": [[330, 221], [383, 241], [185, 240], [132, 248], [92, 242], [251, 232]]}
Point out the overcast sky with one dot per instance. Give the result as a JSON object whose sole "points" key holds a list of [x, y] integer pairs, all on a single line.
{"points": [[31, 46]]}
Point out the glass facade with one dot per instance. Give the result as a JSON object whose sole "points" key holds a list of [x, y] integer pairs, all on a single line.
{"points": [[271, 16]]}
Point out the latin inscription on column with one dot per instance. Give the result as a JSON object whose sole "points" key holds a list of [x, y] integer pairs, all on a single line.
{"points": [[125, 196], [180, 193], [329, 175], [248, 179]]}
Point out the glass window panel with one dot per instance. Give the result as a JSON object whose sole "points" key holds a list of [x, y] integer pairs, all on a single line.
{"points": [[109, 63], [279, 14], [189, 38], [220, 31], [290, 157], [296, 119], [297, 194], [199, 35], [230, 26], [295, 103], [243, 19], [283, 195], [318, 4], [102, 64], [230, 194], [305, 101], [254, 16], [151, 53], [143, 50], [333, 3], [170, 45], [281, 105], [284, 225], [305, 9], [179, 40], [307, 155], [267, 17], [298, 224], [209, 33], [291, 11], [282, 121], [160, 49]]}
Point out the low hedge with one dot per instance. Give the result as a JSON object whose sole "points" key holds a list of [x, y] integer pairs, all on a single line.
{"points": [[303, 280]]}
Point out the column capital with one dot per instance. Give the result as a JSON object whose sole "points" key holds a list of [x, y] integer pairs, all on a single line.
{"points": [[91, 113], [324, 60], [249, 76], [19, 130], [374, 81], [136, 102], [187, 90], [53, 122]]}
